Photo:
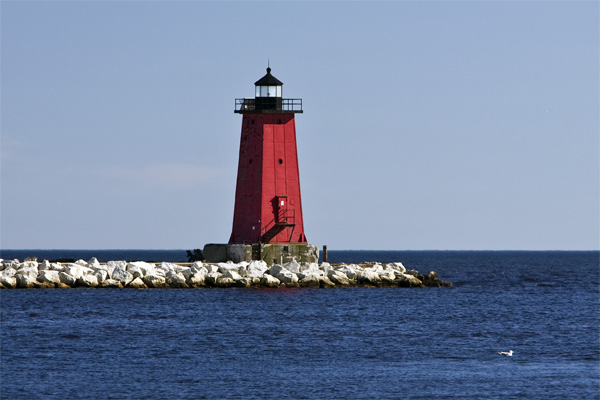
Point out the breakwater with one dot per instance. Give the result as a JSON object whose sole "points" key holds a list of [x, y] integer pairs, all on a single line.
{"points": [[139, 275]]}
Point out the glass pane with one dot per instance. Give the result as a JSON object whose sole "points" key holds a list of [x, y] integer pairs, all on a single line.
{"points": [[256, 91], [263, 91], [272, 91], [278, 91]]}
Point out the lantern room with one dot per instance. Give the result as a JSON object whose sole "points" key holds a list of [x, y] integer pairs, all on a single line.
{"points": [[268, 98]]}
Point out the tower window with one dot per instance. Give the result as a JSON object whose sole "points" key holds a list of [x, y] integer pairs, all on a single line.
{"points": [[280, 161]]}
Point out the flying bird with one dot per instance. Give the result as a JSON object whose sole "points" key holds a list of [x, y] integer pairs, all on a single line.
{"points": [[506, 353]]}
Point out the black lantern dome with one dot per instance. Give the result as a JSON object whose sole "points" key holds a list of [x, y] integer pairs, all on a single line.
{"points": [[268, 86], [267, 92]]}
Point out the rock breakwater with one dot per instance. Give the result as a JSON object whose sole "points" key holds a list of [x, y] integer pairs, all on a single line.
{"points": [[140, 275]]}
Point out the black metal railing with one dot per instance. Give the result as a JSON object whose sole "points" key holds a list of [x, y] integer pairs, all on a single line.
{"points": [[243, 105]]}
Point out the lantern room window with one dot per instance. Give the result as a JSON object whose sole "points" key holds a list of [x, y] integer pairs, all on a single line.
{"points": [[268, 91]]}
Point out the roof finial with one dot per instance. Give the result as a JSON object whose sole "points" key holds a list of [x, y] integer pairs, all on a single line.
{"points": [[268, 67]]}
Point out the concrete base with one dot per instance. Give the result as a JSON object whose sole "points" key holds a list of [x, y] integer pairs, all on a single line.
{"points": [[271, 253]]}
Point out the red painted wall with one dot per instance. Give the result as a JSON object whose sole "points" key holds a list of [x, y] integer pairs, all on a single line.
{"points": [[267, 174]]}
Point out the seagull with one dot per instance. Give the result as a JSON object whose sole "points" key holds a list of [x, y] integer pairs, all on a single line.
{"points": [[506, 353]]}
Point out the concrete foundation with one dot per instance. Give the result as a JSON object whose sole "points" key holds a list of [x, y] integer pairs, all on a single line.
{"points": [[271, 253]]}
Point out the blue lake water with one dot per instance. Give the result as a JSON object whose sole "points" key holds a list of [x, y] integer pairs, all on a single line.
{"points": [[351, 343]]}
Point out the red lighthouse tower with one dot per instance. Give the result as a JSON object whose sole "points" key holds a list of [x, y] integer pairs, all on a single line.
{"points": [[268, 204]]}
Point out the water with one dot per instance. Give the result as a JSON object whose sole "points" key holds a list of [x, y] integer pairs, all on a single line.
{"points": [[352, 343]]}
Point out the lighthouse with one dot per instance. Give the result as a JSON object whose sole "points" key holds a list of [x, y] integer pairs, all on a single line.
{"points": [[268, 222]]}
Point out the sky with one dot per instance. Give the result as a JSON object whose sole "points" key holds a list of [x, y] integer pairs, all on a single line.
{"points": [[453, 125]]}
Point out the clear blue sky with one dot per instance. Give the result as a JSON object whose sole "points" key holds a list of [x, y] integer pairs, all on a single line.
{"points": [[426, 125]]}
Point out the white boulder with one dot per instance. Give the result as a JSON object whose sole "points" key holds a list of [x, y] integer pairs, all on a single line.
{"points": [[285, 276], [10, 271], [121, 275], [256, 269], [101, 274], [175, 279], [8, 281], [368, 276], [338, 277], [135, 270], [111, 283], [145, 267], [111, 265], [76, 270], [187, 272], [231, 273], [310, 280], [397, 266], [27, 265], [87, 281], [66, 279], [49, 276], [269, 281], [292, 266], [27, 276], [211, 268], [198, 279], [238, 268], [44, 265], [224, 282], [137, 283], [154, 280], [348, 270]]}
